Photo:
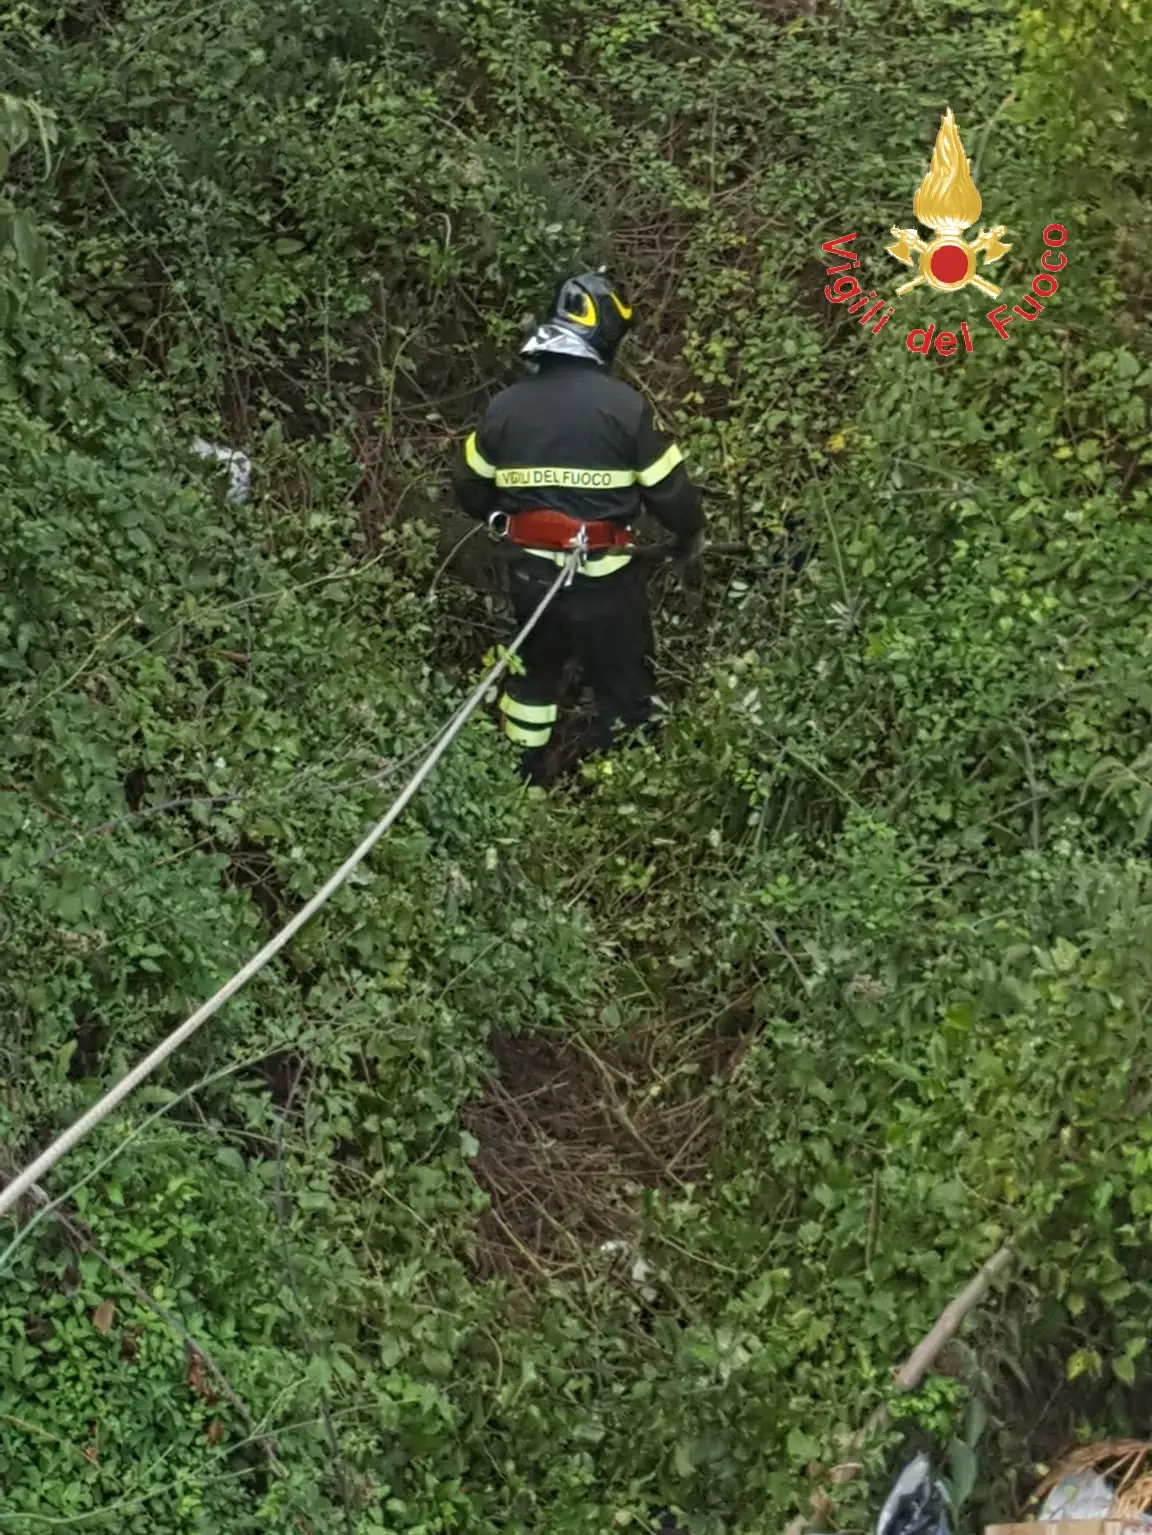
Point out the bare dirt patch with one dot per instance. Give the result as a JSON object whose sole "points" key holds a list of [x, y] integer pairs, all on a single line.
{"points": [[575, 1133]]}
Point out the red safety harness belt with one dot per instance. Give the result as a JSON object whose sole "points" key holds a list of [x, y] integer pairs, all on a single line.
{"points": [[546, 529]]}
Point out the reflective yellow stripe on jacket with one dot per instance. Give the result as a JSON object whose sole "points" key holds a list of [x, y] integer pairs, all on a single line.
{"points": [[662, 468], [540, 477], [476, 460]]}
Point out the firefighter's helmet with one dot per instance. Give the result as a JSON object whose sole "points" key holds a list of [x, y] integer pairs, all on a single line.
{"points": [[591, 304], [589, 318]]}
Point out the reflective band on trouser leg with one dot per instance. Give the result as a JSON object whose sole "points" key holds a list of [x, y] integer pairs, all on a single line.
{"points": [[525, 737], [599, 565], [527, 724]]}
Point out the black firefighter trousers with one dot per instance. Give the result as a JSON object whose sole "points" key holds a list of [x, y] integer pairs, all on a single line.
{"points": [[604, 624]]}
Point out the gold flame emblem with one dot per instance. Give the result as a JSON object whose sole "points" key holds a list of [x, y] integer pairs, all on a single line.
{"points": [[947, 202]]}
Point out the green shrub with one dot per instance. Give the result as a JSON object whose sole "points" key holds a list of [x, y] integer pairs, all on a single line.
{"points": [[892, 844]]}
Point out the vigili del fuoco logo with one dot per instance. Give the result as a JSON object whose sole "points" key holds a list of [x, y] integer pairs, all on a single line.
{"points": [[948, 204]]}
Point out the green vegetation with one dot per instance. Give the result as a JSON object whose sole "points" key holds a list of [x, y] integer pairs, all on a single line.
{"points": [[819, 1005]]}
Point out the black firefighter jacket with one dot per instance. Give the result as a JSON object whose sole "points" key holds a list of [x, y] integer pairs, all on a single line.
{"points": [[573, 439]]}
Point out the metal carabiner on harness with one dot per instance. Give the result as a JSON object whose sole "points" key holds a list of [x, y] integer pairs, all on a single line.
{"points": [[579, 544], [498, 524]]}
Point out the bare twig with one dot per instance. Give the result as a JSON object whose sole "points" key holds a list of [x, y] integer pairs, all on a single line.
{"points": [[920, 1360]]}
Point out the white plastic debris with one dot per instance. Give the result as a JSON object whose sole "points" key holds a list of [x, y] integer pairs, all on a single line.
{"points": [[638, 1272], [1083, 1496], [917, 1504], [239, 468]]}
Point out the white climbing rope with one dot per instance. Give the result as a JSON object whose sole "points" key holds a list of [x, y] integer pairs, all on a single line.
{"points": [[143, 1069]]}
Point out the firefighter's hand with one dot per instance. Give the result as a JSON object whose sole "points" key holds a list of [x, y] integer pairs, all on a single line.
{"points": [[687, 551]]}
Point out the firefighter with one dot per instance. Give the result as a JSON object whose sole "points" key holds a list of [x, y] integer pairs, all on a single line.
{"points": [[571, 452]]}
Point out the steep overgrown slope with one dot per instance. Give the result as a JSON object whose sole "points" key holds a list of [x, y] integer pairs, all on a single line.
{"points": [[815, 1007]]}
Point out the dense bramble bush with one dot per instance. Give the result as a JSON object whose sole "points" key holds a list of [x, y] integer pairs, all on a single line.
{"points": [[894, 839]]}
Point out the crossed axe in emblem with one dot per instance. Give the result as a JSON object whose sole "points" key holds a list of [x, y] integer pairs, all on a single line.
{"points": [[988, 244]]}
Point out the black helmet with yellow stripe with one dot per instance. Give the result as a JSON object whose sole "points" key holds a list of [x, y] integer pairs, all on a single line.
{"points": [[588, 318]]}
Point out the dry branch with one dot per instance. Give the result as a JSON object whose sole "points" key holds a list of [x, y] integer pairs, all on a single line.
{"points": [[908, 1377]]}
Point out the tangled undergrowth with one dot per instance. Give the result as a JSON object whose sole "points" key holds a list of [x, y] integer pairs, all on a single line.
{"points": [[570, 1136], [604, 1152]]}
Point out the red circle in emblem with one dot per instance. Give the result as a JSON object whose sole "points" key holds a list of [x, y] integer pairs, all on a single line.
{"points": [[949, 263]]}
